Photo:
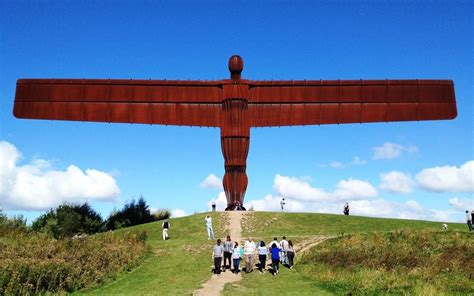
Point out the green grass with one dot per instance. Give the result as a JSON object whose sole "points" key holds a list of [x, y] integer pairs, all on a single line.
{"points": [[399, 262], [309, 278], [177, 266]]}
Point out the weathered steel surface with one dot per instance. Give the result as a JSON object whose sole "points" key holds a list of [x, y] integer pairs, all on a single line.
{"points": [[235, 105]]}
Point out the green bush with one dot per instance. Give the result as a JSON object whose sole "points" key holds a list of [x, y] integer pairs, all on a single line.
{"points": [[9, 225], [36, 263], [134, 213], [68, 220]]}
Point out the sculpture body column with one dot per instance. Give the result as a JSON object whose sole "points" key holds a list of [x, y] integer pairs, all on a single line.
{"points": [[235, 140]]}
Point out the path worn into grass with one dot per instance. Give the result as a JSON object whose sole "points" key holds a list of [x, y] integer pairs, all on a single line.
{"points": [[216, 284], [308, 243]]}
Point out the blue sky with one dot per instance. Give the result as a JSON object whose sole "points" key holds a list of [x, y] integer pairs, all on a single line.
{"points": [[383, 169]]}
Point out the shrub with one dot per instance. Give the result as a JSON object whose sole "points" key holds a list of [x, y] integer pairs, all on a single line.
{"points": [[37, 264], [9, 225], [68, 220], [398, 262], [133, 213]]}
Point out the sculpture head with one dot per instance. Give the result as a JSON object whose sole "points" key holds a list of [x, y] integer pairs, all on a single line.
{"points": [[236, 65]]}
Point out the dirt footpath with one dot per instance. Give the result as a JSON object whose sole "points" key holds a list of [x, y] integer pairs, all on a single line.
{"points": [[215, 285]]}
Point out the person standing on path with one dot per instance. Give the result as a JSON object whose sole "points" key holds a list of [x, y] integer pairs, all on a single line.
{"points": [[469, 220], [290, 252], [236, 257], [217, 253], [210, 231], [227, 253], [284, 247], [165, 226], [275, 258], [213, 205], [262, 255], [249, 253]]}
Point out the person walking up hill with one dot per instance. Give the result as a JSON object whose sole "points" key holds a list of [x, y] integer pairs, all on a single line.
{"points": [[210, 231], [227, 253], [217, 253]]}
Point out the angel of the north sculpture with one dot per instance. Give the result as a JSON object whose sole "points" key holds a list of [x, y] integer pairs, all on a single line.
{"points": [[235, 105]]}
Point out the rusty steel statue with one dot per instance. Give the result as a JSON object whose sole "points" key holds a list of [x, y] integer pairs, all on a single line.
{"points": [[235, 105]]}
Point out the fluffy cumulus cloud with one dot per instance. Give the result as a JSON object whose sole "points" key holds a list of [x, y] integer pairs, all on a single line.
{"points": [[212, 181], [391, 150], [221, 202], [36, 186], [176, 213], [448, 178], [363, 198], [396, 182], [300, 189], [461, 204]]}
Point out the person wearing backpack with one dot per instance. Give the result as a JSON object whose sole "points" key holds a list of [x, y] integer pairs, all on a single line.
{"points": [[165, 226]]}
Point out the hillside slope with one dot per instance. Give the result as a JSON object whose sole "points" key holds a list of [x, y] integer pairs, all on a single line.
{"points": [[180, 265]]}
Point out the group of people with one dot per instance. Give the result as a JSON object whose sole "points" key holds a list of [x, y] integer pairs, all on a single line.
{"points": [[279, 252], [470, 220]]}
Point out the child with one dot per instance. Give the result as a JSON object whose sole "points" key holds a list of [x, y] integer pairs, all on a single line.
{"points": [[275, 258], [237, 254]]}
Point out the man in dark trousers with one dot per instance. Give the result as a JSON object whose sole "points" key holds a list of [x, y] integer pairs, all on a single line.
{"points": [[469, 220], [346, 209], [165, 226]]}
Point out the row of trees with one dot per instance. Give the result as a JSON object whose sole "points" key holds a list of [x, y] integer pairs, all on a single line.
{"points": [[68, 220]]}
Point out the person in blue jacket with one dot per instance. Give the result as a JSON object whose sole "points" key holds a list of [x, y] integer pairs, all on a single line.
{"points": [[275, 250]]}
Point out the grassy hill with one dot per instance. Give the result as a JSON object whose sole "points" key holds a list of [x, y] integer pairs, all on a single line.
{"points": [[179, 266]]}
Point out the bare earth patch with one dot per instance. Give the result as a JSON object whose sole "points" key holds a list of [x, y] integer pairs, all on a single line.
{"points": [[216, 284]]}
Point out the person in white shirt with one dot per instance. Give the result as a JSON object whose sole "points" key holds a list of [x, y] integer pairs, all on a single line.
{"points": [[262, 255], [236, 256], [284, 248], [469, 220], [249, 253], [165, 226], [275, 240], [210, 231]]}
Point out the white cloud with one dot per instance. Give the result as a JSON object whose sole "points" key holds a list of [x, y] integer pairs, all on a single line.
{"points": [[448, 178], [339, 165], [396, 182], [391, 150], [300, 196], [357, 161], [35, 186], [336, 165], [212, 181], [299, 189], [221, 202], [176, 213], [354, 189], [462, 204]]}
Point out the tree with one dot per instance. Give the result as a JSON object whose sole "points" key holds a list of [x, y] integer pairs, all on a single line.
{"points": [[133, 213], [68, 220]]}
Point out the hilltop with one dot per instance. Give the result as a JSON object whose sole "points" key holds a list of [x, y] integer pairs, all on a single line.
{"points": [[183, 263]]}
